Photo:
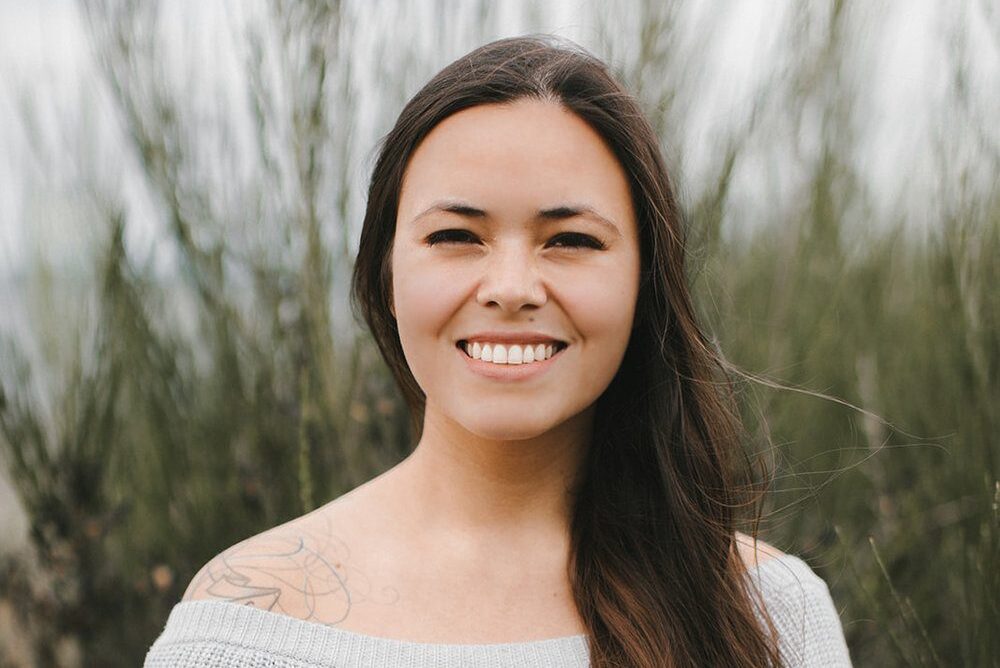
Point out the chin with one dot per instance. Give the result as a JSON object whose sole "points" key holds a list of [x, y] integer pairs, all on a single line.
{"points": [[526, 426], [508, 431], [499, 428]]}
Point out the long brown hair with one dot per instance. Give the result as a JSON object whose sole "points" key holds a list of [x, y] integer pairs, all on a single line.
{"points": [[655, 572]]}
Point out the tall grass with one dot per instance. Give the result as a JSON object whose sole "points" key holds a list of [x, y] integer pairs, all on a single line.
{"points": [[897, 510], [194, 411]]}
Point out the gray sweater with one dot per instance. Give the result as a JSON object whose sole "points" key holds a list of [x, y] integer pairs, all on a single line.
{"points": [[203, 634]]}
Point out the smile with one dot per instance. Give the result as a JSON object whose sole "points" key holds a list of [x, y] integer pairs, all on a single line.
{"points": [[514, 366], [511, 353]]}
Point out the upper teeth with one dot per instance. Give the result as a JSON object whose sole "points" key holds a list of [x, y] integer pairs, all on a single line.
{"points": [[501, 353]]}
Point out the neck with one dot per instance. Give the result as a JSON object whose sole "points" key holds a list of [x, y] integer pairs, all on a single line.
{"points": [[481, 494]]}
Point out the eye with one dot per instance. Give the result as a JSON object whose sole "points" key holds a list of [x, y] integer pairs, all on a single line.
{"points": [[578, 240], [447, 236]]}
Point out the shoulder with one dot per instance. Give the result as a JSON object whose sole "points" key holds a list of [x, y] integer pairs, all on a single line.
{"points": [[755, 552], [295, 569], [805, 617]]}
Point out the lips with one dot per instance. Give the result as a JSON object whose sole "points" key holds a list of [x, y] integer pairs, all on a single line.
{"points": [[512, 372]]}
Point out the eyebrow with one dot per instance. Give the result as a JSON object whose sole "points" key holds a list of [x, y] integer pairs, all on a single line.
{"points": [[560, 212]]}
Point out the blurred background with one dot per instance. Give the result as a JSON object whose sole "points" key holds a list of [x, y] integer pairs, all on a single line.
{"points": [[181, 191]]}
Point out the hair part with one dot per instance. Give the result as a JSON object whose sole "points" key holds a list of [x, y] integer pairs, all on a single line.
{"points": [[655, 571]]}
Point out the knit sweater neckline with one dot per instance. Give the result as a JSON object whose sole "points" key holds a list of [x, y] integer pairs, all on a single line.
{"points": [[206, 614], [205, 633]]}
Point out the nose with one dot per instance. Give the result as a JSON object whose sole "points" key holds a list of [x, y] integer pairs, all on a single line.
{"points": [[511, 279]]}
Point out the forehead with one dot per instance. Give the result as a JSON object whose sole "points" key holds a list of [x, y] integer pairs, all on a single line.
{"points": [[529, 153]]}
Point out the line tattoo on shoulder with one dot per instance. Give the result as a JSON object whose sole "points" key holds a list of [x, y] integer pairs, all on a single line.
{"points": [[303, 571]]}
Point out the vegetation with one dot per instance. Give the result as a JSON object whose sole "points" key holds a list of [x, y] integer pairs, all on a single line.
{"points": [[155, 416]]}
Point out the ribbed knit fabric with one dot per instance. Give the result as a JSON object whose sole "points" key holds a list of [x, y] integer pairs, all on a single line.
{"points": [[209, 634]]}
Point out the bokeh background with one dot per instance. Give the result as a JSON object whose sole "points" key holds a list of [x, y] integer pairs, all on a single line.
{"points": [[181, 192]]}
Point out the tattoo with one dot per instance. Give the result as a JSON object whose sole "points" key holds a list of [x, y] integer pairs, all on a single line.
{"points": [[301, 571]]}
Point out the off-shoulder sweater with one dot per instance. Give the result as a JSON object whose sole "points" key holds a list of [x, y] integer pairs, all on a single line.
{"points": [[207, 633]]}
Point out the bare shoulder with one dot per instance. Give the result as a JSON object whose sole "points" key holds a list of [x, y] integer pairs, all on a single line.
{"points": [[754, 555], [299, 569]]}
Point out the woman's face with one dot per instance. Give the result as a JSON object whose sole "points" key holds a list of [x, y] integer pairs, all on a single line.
{"points": [[514, 219]]}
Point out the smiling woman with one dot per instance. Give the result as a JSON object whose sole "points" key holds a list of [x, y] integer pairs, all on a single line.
{"points": [[571, 498]]}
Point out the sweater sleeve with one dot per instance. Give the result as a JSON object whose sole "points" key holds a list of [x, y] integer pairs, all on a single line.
{"points": [[810, 634]]}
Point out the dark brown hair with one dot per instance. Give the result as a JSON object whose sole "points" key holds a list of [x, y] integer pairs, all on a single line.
{"points": [[655, 571]]}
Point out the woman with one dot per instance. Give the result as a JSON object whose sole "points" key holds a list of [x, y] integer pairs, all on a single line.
{"points": [[571, 498]]}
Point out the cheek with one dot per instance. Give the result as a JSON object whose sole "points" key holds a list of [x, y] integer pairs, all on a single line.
{"points": [[603, 308], [424, 302]]}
